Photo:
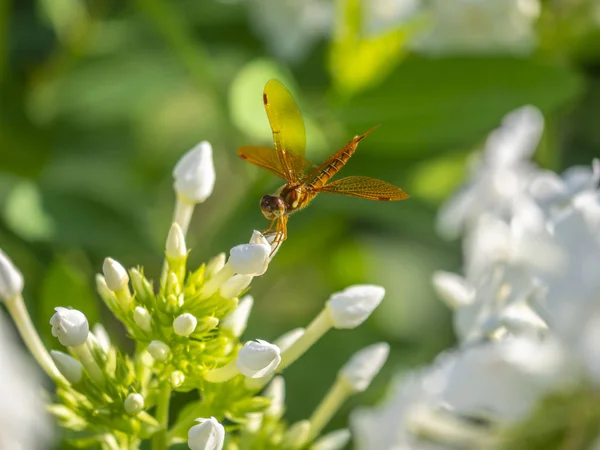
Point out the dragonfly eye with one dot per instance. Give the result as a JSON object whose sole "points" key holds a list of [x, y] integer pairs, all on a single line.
{"points": [[272, 206]]}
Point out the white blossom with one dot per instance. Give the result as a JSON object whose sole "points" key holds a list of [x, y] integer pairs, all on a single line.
{"points": [[258, 358], [235, 285], [209, 434], [352, 306], [237, 320], [68, 366], [115, 274], [176, 248], [360, 370], [142, 318], [276, 392], [334, 440], [185, 324], [159, 350], [70, 326], [194, 174], [101, 336], [134, 403], [250, 259], [11, 279]]}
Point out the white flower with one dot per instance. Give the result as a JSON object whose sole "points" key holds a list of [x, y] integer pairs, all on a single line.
{"points": [[68, 366], [276, 392], [235, 285], [352, 306], [24, 423], [70, 326], [176, 248], [250, 259], [499, 177], [185, 324], [209, 434], [159, 350], [334, 440], [133, 404], [102, 336], [115, 275], [360, 370], [194, 174], [11, 280], [142, 318], [258, 358], [237, 320], [297, 435], [453, 289]]}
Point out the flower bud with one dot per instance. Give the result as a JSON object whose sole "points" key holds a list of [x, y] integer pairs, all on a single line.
{"points": [[142, 318], [364, 366], [258, 358], [250, 259], [102, 336], [352, 306], [215, 265], [276, 392], [235, 285], [115, 275], [194, 174], [453, 289], [159, 350], [11, 280], [176, 248], [207, 435], [68, 366], [70, 326], [297, 435], [133, 404], [286, 340], [237, 320], [177, 378], [185, 324], [335, 440]]}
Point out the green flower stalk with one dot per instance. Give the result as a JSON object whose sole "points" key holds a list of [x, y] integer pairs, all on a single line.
{"points": [[187, 329]]}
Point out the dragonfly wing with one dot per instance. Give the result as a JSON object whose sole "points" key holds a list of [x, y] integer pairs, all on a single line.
{"points": [[289, 134], [267, 158], [365, 187]]}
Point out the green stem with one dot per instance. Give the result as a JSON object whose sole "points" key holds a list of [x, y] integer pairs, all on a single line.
{"points": [[315, 330], [337, 395], [159, 442], [18, 311]]}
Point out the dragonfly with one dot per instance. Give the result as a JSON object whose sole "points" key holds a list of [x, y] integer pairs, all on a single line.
{"points": [[304, 180]]}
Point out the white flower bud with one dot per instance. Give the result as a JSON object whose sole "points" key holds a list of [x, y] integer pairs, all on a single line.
{"points": [[194, 174], [258, 358], [70, 326], [185, 324], [115, 275], [177, 378], [159, 350], [11, 280], [364, 366], [142, 318], [352, 306], [453, 289], [102, 336], [336, 440], [215, 265], [286, 340], [297, 435], [235, 285], [237, 320], [207, 435], [68, 366], [133, 404], [176, 248], [250, 259], [276, 392]]}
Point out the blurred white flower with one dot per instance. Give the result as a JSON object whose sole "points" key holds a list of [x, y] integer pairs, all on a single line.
{"points": [[237, 320], [276, 392], [11, 280], [209, 434], [134, 403], [499, 177], [68, 366], [352, 306], [480, 27], [364, 365], [258, 358], [194, 174], [23, 420], [142, 318], [159, 350], [70, 326], [101, 336], [334, 440]]}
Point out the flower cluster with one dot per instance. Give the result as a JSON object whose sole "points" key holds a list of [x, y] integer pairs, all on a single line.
{"points": [[187, 330], [526, 312]]}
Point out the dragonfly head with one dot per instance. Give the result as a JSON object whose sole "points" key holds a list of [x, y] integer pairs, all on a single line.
{"points": [[272, 206]]}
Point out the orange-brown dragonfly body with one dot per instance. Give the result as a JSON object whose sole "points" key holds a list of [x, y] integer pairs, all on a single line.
{"points": [[304, 180]]}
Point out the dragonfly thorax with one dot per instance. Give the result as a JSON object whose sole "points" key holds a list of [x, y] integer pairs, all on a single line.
{"points": [[272, 206]]}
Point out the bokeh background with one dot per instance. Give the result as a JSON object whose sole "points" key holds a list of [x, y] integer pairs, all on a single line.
{"points": [[99, 99]]}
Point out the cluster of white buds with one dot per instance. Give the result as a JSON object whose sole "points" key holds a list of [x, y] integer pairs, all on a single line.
{"points": [[187, 331]]}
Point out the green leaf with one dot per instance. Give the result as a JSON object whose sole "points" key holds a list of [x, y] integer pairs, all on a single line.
{"points": [[432, 105], [65, 284]]}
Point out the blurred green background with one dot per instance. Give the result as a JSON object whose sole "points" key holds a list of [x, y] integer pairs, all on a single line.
{"points": [[100, 98]]}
